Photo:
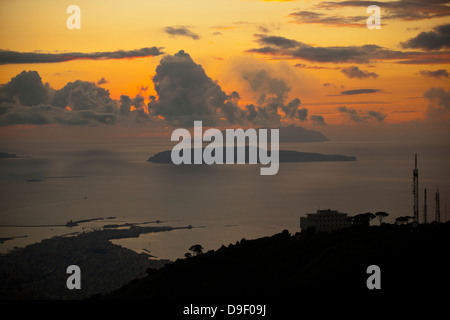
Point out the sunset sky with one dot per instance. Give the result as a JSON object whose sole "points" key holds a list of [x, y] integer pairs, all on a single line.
{"points": [[309, 63]]}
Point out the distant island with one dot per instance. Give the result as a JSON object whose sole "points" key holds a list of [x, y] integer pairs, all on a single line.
{"points": [[285, 156], [5, 155]]}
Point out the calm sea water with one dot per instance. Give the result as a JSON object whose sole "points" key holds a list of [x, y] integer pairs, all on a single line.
{"points": [[228, 202]]}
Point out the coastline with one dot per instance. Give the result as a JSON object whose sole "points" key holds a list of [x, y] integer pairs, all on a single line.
{"points": [[38, 271]]}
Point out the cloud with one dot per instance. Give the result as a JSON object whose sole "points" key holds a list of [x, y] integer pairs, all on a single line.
{"points": [[438, 103], [304, 66], [377, 115], [26, 100], [281, 46], [357, 116], [359, 91], [302, 114], [292, 110], [317, 120], [327, 85], [102, 81], [272, 93], [263, 83], [440, 96], [399, 10], [310, 17], [327, 13], [26, 88], [48, 114], [284, 48], [433, 40], [277, 41], [351, 113], [15, 57], [354, 72], [83, 95], [186, 94], [133, 106], [181, 31], [442, 73]]}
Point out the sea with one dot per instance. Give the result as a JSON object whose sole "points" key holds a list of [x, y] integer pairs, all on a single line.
{"points": [[50, 184]]}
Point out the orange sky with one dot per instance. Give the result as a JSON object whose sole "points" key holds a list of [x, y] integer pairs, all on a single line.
{"points": [[227, 30]]}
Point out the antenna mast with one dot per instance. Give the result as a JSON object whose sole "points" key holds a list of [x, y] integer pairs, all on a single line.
{"points": [[425, 207], [416, 190], [438, 206]]}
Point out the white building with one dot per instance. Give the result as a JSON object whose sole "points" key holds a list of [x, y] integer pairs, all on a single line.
{"points": [[325, 220]]}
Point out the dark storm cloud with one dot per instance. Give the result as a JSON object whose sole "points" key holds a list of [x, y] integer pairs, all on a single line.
{"points": [[357, 116], [442, 73], [281, 47], [434, 40], [404, 9], [181, 31], [354, 72], [26, 100], [186, 93], [14, 57], [26, 88], [83, 95], [359, 91]]}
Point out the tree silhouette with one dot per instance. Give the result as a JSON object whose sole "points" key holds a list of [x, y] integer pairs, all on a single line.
{"points": [[196, 249], [381, 215], [403, 219], [363, 219]]}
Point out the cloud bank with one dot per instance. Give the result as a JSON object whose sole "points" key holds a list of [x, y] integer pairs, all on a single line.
{"points": [[359, 116], [437, 39], [15, 57], [284, 48]]}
